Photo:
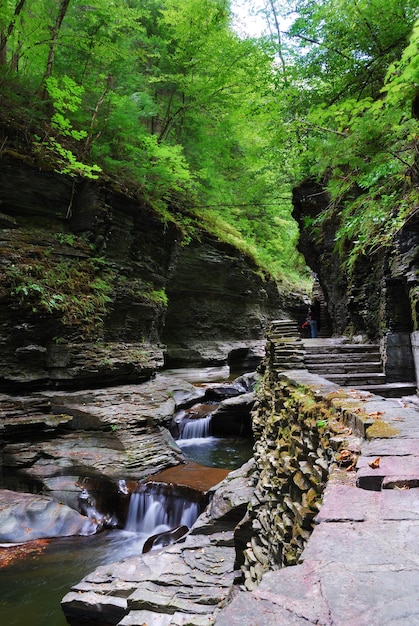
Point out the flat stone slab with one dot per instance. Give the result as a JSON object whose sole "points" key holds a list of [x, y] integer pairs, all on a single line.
{"points": [[388, 472], [360, 566], [328, 594], [343, 503]]}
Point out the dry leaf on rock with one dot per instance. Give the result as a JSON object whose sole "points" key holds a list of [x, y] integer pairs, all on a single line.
{"points": [[376, 414]]}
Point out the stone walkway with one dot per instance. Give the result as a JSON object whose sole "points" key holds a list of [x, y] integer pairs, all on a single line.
{"points": [[360, 566]]}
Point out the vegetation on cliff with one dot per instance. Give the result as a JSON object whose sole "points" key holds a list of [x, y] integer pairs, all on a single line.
{"points": [[361, 69], [164, 100]]}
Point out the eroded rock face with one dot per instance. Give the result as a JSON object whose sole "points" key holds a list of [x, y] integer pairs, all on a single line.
{"points": [[85, 277], [219, 304], [77, 447], [380, 300], [88, 450], [382, 293]]}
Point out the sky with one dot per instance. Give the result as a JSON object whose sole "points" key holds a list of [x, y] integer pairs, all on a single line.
{"points": [[250, 23], [247, 20]]}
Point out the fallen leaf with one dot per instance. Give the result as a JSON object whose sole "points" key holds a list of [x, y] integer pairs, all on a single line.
{"points": [[375, 463]]}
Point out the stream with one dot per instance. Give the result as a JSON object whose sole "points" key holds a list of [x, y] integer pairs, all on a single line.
{"points": [[31, 589]]}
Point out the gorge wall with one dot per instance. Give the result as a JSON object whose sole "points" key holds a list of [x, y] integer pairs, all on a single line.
{"points": [[379, 301], [93, 282]]}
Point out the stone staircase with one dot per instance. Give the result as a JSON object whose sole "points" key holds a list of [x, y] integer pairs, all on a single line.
{"points": [[344, 363], [358, 366], [286, 344]]}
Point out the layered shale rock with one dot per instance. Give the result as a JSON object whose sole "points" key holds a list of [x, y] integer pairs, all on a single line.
{"points": [[93, 281], [380, 301]]}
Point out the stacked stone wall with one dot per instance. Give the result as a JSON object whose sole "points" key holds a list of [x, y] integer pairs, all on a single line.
{"points": [[299, 434]]}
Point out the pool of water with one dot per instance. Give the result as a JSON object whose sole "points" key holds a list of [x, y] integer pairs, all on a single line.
{"points": [[225, 453], [31, 590]]}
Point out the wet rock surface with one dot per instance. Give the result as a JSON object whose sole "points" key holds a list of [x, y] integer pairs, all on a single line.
{"points": [[182, 584], [145, 298], [75, 447], [87, 449], [363, 547], [111, 433], [24, 517]]}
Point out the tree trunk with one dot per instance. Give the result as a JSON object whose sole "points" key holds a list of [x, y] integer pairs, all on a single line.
{"points": [[278, 34], [54, 36], [5, 33]]}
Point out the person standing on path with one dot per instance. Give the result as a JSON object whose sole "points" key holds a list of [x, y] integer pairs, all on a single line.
{"points": [[314, 313]]}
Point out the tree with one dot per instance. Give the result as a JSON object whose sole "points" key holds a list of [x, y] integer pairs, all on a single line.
{"points": [[6, 31], [55, 30]]}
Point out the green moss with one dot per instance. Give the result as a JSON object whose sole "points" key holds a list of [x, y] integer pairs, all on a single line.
{"points": [[381, 430]]}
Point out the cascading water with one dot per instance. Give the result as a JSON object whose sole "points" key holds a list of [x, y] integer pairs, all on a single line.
{"points": [[152, 510], [196, 428]]}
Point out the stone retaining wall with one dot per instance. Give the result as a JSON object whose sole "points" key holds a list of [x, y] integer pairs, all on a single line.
{"points": [[300, 431]]}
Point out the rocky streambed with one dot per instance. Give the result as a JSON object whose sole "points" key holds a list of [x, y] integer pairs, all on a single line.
{"points": [[70, 460]]}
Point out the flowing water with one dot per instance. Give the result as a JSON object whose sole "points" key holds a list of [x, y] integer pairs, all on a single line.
{"points": [[31, 589], [151, 511]]}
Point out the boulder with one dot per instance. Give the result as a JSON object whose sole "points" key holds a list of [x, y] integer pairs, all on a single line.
{"points": [[24, 517]]}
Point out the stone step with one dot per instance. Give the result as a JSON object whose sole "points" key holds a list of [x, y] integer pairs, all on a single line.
{"points": [[286, 341], [288, 365], [390, 390], [346, 348], [324, 369], [377, 378], [348, 357], [283, 328], [285, 350]]}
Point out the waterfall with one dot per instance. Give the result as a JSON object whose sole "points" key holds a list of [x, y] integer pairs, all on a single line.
{"points": [[152, 510], [196, 428]]}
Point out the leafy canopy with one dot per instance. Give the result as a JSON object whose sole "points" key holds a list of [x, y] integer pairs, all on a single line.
{"points": [[167, 102], [164, 99]]}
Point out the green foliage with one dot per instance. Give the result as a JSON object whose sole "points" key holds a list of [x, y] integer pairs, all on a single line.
{"points": [[158, 297], [67, 238], [213, 130], [63, 159], [76, 292], [366, 147], [66, 97], [167, 101]]}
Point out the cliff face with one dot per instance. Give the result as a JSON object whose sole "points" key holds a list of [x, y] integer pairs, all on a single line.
{"points": [[92, 282], [379, 301], [219, 303]]}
